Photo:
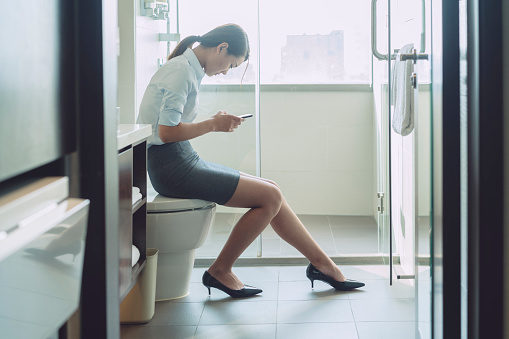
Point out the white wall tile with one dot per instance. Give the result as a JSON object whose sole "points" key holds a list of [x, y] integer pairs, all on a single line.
{"points": [[294, 149], [327, 193], [350, 148]]}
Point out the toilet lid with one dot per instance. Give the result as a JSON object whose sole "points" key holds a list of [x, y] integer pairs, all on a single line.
{"points": [[159, 203]]}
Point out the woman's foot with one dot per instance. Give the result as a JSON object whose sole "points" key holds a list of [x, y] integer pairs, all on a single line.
{"points": [[227, 278], [246, 291], [331, 270], [315, 274]]}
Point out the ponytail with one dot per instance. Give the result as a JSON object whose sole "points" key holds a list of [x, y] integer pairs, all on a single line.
{"points": [[232, 34], [183, 45]]}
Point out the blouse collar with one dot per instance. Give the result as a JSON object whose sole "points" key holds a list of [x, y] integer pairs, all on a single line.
{"points": [[195, 63]]}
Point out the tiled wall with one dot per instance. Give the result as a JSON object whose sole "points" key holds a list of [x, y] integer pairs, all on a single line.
{"points": [[318, 146]]}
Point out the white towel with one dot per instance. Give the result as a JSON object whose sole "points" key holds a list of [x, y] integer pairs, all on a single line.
{"points": [[136, 189], [136, 197], [403, 94], [136, 255]]}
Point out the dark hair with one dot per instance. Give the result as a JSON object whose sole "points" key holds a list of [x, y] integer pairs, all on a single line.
{"points": [[232, 34]]}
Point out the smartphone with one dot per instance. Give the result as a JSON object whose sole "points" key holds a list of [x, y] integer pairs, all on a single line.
{"points": [[245, 116]]}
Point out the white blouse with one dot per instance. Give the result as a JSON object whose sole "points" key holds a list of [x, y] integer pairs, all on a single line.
{"points": [[172, 94]]}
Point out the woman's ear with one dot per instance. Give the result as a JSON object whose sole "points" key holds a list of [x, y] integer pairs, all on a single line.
{"points": [[222, 46]]}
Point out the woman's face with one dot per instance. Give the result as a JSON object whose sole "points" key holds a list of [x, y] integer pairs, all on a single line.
{"points": [[220, 62]]}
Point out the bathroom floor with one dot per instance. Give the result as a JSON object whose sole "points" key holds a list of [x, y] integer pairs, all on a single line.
{"points": [[337, 235], [288, 308]]}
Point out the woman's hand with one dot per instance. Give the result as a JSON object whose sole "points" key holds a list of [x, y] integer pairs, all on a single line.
{"points": [[224, 122]]}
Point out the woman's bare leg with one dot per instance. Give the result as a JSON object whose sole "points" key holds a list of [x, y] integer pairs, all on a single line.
{"points": [[289, 227], [267, 206], [264, 201]]}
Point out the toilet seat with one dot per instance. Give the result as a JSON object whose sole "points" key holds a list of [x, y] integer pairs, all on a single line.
{"points": [[157, 203]]}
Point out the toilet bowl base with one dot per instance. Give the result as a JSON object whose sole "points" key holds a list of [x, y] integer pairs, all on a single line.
{"points": [[174, 274]]}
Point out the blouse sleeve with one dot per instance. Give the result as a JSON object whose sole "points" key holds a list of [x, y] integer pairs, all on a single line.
{"points": [[175, 89]]}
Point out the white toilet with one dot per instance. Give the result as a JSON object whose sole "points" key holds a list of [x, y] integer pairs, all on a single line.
{"points": [[176, 227]]}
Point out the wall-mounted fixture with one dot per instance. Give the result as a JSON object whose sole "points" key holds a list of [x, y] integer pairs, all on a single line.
{"points": [[157, 10]]}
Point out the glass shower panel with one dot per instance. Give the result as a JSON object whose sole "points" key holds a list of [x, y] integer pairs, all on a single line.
{"points": [[379, 44], [234, 93], [316, 121]]}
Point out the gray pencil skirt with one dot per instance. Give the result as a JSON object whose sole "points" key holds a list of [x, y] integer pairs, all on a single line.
{"points": [[176, 171]]}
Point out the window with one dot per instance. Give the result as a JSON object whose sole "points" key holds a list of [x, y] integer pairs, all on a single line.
{"points": [[301, 42], [315, 42]]}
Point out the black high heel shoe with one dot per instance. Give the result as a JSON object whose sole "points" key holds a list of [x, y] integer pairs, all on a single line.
{"points": [[314, 274], [248, 291]]}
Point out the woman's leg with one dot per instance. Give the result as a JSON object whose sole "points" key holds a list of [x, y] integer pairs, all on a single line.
{"points": [[289, 227], [267, 206], [264, 201]]}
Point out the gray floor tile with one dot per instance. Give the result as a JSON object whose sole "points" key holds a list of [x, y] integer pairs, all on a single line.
{"points": [[301, 290], [351, 246], [311, 221], [320, 232], [197, 294], [239, 313], [157, 332], [314, 311], [327, 244], [288, 250], [381, 289], [317, 330], [170, 313], [335, 234], [292, 273], [351, 221], [262, 273], [365, 272], [266, 331], [386, 330], [383, 309], [288, 308]]}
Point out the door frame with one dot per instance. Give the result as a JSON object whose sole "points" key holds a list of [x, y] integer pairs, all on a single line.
{"points": [[446, 232]]}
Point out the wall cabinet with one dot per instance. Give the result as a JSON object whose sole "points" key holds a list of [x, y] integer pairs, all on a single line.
{"points": [[132, 165]]}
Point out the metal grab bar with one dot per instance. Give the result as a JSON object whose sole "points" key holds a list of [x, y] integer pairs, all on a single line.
{"points": [[374, 48]]}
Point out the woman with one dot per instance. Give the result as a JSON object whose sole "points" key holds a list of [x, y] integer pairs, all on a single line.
{"points": [[175, 170]]}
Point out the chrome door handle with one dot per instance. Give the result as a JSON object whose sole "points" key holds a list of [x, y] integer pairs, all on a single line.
{"points": [[412, 56]]}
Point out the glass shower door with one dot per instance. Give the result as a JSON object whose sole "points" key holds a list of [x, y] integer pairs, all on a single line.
{"points": [[404, 158], [410, 151]]}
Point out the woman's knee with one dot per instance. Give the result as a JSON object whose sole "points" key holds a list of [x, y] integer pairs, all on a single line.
{"points": [[272, 183], [273, 198]]}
